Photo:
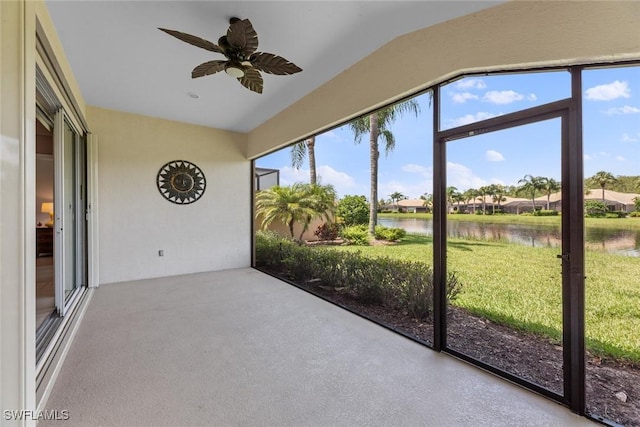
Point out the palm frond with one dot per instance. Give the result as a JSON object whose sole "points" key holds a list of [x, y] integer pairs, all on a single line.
{"points": [[298, 154]]}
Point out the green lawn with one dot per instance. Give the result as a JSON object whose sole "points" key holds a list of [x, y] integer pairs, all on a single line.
{"points": [[626, 223], [521, 286]]}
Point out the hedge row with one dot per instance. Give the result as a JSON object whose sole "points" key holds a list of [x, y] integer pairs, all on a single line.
{"points": [[395, 284]]}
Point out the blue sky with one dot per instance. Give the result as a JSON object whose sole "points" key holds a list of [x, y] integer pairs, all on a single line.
{"points": [[611, 126]]}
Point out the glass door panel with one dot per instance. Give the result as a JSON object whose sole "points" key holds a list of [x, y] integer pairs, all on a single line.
{"points": [[69, 212], [504, 235]]}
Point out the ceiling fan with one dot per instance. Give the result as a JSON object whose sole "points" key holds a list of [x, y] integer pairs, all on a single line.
{"points": [[239, 47]]}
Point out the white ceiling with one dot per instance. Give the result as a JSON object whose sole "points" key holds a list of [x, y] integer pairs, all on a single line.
{"points": [[123, 62]]}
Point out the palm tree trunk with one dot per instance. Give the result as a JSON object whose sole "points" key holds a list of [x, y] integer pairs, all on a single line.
{"points": [[291, 222], [374, 154], [548, 198], [603, 194], [311, 144]]}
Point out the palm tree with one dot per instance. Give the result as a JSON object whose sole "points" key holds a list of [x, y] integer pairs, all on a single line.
{"points": [[427, 201], [377, 124], [482, 195], [603, 178], [549, 186], [470, 195], [395, 197], [296, 203], [497, 195], [451, 192], [531, 184], [458, 198], [300, 151]]}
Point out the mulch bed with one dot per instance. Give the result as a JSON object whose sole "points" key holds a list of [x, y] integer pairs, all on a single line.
{"points": [[523, 354]]}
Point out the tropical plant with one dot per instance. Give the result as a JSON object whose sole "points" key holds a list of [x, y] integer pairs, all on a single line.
{"points": [[296, 203], [603, 179], [355, 235], [300, 151], [353, 210], [531, 185], [389, 234], [377, 125], [636, 202], [549, 186]]}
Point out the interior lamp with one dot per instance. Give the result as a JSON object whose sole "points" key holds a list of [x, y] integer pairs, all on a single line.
{"points": [[47, 207], [234, 69]]}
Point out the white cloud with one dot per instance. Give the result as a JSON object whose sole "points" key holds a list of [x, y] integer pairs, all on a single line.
{"points": [[532, 97], [502, 97], [421, 170], [628, 138], [462, 97], [493, 156], [470, 84], [289, 175], [412, 190], [620, 158], [607, 92], [604, 154], [627, 109], [471, 118], [462, 177], [332, 134], [343, 182]]}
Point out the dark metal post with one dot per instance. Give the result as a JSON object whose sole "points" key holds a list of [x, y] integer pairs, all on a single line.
{"points": [[439, 231], [573, 292]]}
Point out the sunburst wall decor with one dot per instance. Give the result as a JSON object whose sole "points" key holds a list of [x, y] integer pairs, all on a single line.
{"points": [[181, 182]]}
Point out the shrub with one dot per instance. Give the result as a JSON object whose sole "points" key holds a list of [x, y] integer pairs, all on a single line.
{"points": [[616, 214], [353, 210], [594, 209], [544, 212], [635, 214], [327, 231], [389, 234], [355, 235], [405, 286]]}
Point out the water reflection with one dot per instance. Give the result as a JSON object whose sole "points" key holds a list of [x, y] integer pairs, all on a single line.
{"points": [[620, 241]]}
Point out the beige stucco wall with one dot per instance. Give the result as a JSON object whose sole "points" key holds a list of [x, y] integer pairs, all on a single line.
{"points": [[518, 34], [283, 229], [136, 221]]}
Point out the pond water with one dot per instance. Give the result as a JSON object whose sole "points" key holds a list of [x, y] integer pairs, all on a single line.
{"points": [[620, 241]]}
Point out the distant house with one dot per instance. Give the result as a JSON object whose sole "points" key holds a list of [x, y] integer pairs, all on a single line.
{"points": [[411, 206], [614, 200], [518, 205]]}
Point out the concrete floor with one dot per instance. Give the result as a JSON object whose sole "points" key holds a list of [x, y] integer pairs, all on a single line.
{"points": [[240, 348]]}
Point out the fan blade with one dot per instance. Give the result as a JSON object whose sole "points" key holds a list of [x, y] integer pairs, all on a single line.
{"points": [[193, 40], [273, 64], [243, 37], [252, 80], [207, 68]]}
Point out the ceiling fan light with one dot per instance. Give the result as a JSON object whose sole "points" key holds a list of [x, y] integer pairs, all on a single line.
{"points": [[234, 70]]}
